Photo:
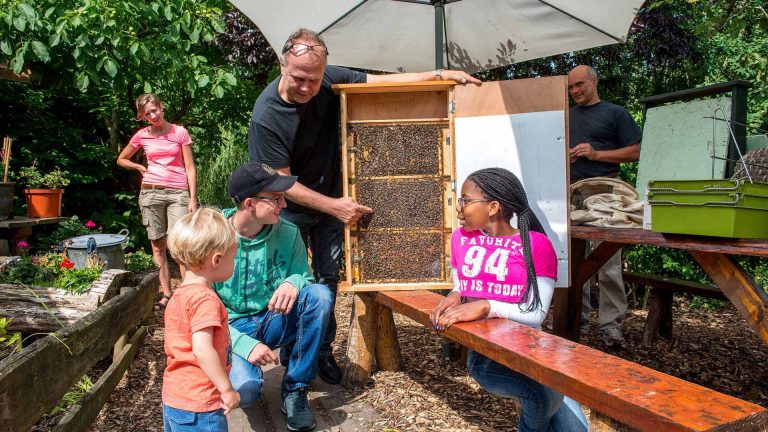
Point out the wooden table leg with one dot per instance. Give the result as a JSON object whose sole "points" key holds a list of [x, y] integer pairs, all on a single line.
{"points": [[361, 343], [659, 322], [388, 356], [17, 235], [748, 297]]}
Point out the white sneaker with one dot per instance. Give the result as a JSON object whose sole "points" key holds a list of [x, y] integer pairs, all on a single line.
{"points": [[613, 338]]}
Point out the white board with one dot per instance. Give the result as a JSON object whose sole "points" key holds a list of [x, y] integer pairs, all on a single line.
{"points": [[533, 147], [678, 142]]}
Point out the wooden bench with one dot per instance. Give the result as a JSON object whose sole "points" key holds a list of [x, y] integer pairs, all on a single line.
{"points": [[616, 390], [659, 322]]}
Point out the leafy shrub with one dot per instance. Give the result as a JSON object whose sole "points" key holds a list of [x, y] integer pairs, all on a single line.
{"points": [[139, 261], [22, 272], [73, 395], [34, 179], [121, 211], [214, 170], [9, 339], [77, 280], [72, 227]]}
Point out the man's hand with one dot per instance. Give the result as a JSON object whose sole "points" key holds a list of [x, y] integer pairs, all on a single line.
{"points": [[349, 211], [462, 313], [283, 299], [584, 149], [460, 77], [451, 300], [230, 399], [262, 355]]}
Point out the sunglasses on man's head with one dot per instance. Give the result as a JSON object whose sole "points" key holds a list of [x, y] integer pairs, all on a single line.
{"points": [[299, 49]]}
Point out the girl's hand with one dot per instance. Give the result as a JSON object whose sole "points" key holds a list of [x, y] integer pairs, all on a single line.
{"points": [[451, 300], [141, 168], [230, 400], [192, 206], [471, 311]]}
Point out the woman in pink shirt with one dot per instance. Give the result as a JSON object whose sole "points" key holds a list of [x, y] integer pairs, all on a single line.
{"points": [[169, 181], [503, 272]]}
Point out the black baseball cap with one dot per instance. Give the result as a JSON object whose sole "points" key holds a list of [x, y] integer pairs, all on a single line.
{"points": [[254, 177]]}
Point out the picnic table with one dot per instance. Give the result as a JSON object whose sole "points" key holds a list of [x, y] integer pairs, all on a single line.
{"points": [[714, 254], [19, 228]]}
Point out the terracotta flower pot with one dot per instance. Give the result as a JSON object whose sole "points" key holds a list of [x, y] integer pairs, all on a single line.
{"points": [[43, 203]]}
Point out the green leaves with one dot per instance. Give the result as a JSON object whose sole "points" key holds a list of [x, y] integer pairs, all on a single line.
{"points": [[20, 23], [41, 51], [5, 48], [27, 11], [110, 67], [203, 81], [82, 82]]}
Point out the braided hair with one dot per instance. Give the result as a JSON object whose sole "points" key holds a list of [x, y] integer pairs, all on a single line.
{"points": [[499, 184]]}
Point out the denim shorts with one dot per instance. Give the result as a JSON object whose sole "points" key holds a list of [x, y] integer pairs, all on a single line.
{"points": [[161, 208], [178, 420]]}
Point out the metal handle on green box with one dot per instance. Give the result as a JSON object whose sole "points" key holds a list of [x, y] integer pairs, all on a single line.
{"points": [[713, 189], [736, 199]]}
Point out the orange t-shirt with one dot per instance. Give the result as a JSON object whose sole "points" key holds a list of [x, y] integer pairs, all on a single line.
{"points": [[193, 308]]}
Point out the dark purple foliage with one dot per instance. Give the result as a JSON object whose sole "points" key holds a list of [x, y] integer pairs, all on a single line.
{"points": [[246, 46]]}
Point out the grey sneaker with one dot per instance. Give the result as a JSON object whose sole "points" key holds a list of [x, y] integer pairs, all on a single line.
{"points": [[613, 338], [297, 410]]}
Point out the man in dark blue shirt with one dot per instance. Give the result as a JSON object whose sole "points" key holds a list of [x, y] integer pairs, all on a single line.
{"points": [[602, 135]]}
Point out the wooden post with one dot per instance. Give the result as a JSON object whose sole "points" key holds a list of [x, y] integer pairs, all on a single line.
{"points": [[122, 340], [361, 343], [659, 322], [388, 356]]}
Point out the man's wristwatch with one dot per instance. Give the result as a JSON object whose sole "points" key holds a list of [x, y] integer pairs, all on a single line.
{"points": [[438, 72]]}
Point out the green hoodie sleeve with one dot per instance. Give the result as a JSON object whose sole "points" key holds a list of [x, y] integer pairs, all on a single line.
{"points": [[298, 270], [242, 344]]}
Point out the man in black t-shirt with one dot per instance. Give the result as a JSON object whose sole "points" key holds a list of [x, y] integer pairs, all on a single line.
{"points": [[602, 135], [295, 128]]}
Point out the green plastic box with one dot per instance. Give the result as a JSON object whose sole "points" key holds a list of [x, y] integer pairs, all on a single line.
{"points": [[720, 208]]}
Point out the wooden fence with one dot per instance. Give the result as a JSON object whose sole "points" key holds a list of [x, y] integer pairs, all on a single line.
{"points": [[33, 381]]}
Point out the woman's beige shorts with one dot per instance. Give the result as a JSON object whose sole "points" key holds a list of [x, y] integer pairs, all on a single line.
{"points": [[161, 208]]}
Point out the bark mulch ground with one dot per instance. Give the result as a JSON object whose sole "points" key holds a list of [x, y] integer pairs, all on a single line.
{"points": [[713, 348]]}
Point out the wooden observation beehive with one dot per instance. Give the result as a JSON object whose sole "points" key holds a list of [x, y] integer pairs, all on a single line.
{"points": [[398, 159], [406, 148]]}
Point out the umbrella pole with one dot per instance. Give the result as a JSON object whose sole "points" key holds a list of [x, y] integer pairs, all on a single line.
{"points": [[439, 17]]}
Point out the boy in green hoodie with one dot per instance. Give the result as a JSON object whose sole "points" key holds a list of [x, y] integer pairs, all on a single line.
{"points": [[271, 297]]}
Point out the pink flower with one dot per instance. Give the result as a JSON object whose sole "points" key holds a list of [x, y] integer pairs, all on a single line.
{"points": [[22, 245], [67, 264], [90, 224]]}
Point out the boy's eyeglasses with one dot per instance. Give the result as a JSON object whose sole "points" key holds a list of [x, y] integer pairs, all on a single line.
{"points": [[299, 49], [464, 201], [276, 199]]}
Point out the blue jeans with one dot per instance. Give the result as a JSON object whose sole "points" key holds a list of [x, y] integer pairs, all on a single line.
{"points": [[541, 408], [323, 234], [305, 325], [178, 420]]}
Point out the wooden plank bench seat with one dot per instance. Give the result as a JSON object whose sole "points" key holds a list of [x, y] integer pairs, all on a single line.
{"points": [[633, 395], [659, 321]]}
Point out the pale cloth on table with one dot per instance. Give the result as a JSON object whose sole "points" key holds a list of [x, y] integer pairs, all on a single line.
{"points": [[605, 202]]}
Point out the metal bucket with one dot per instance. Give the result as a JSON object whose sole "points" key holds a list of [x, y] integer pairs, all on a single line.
{"points": [[108, 247]]}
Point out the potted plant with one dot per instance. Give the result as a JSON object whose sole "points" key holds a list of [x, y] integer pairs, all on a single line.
{"points": [[44, 191]]}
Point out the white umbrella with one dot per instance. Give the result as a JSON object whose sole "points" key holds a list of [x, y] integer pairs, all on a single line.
{"points": [[409, 35]]}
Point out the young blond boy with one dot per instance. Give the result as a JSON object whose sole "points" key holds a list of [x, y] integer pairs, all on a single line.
{"points": [[197, 393]]}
